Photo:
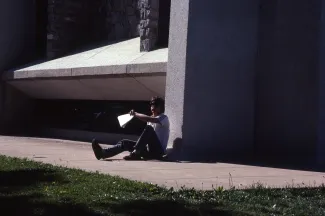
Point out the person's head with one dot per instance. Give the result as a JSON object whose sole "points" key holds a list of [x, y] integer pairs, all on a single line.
{"points": [[157, 105]]}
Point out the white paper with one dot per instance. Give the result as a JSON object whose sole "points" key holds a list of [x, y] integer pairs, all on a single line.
{"points": [[124, 119]]}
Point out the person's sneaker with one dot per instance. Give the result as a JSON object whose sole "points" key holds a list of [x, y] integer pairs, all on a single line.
{"points": [[152, 157], [98, 151], [132, 156]]}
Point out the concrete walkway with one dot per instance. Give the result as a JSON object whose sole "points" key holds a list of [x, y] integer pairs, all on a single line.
{"points": [[199, 176]]}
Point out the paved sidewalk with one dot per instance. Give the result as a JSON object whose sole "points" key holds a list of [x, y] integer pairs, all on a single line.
{"points": [[200, 176]]}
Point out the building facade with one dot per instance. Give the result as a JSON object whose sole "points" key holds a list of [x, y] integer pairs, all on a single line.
{"points": [[243, 80]]}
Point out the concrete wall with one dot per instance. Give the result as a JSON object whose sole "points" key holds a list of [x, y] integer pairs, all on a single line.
{"points": [[16, 47], [17, 32], [210, 78], [287, 80], [16, 111], [321, 91], [176, 68]]}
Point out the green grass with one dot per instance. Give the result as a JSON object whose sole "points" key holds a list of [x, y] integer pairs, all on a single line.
{"points": [[31, 188]]}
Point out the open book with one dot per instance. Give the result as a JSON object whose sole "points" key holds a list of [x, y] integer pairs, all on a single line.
{"points": [[124, 119]]}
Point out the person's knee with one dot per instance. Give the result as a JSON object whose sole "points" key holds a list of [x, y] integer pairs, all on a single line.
{"points": [[127, 142], [148, 128], [121, 141], [94, 140]]}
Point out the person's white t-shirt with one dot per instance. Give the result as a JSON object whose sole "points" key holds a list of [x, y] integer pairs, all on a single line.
{"points": [[162, 130]]}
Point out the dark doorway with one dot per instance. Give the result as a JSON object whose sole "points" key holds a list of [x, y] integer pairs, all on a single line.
{"points": [[163, 25], [92, 116], [41, 28]]}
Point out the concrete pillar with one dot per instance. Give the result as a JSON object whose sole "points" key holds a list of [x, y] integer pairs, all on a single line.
{"points": [[17, 42], [320, 148], [210, 78], [287, 81], [17, 37]]}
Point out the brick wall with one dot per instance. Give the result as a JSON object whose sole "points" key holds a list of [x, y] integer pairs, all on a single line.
{"points": [[73, 24], [148, 29], [123, 19]]}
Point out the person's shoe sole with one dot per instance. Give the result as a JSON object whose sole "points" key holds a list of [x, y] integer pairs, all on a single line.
{"points": [[97, 149], [132, 157]]}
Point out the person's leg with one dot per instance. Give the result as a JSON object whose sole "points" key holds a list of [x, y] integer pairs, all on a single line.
{"points": [[154, 146], [123, 145], [128, 145], [148, 145]]}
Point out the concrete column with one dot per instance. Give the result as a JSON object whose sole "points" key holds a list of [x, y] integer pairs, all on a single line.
{"points": [[17, 42], [287, 81], [210, 78], [321, 89], [17, 37]]}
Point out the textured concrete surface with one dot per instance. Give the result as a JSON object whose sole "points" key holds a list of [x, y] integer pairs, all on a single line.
{"points": [[175, 81], [210, 79], [197, 175]]}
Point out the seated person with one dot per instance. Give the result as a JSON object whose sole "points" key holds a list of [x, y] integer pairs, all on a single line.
{"points": [[151, 144]]}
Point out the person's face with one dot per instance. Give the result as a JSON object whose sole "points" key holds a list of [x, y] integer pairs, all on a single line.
{"points": [[154, 109]]}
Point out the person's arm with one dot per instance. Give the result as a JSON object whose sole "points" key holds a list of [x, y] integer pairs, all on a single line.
{"points": [[144, 117]]}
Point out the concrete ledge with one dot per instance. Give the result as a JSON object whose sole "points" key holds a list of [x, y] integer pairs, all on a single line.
{"points": [[47, 73], [99, 70], [114, 72], [147, 67], [120, 58]]}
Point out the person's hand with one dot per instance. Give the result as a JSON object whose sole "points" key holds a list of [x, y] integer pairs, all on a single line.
{"points": [[132, 113]]}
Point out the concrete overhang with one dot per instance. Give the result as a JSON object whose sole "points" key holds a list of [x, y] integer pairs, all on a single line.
{"points": [[113, 72]]}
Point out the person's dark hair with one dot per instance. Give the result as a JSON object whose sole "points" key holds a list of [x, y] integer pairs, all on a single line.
{"points": [[159, 102]]}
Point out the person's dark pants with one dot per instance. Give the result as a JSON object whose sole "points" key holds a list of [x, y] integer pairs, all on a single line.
{"points": [[148, 145]]}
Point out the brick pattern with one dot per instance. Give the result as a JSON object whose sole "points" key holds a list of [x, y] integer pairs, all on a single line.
{"points": [[148, 29], [73, 24], [123, 19]]}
